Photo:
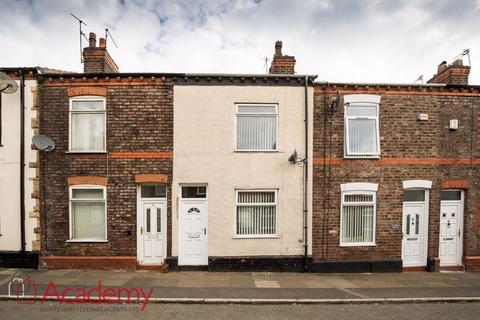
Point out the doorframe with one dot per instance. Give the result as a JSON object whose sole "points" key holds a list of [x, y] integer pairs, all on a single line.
{"points": [[460, 223], [140, 202], [180, 220], [425, 186]]}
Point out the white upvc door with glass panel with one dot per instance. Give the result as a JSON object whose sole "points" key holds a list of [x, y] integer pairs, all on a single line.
{"points": [[451, 228], [152, 225], [415, 228], [413, 248], [193, 227]]}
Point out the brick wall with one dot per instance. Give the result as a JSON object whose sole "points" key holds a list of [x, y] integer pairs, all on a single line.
{"points": [[410, 150], [139, 141]]}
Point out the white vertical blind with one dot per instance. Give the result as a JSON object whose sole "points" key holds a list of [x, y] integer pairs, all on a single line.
{"points": [[362, 130], [256, 213], [87, 125], [256, 127], [88, 213], [362, 136], [88, 220], [358, 214], [88, 131]]}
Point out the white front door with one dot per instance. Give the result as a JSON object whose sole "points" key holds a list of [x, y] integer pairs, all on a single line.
{"points": [[151, 223], [451, 229], [414, 239], [193, 216], [152, 232]]}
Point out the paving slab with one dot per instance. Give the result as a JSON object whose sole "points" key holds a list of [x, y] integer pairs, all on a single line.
{"points": [[417, 292]]}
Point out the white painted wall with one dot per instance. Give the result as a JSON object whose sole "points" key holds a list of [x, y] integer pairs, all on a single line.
{"points": [[204, 141], [10, 170]]}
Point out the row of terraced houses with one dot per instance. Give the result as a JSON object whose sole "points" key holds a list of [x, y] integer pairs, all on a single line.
{"points": [[276, 171]]}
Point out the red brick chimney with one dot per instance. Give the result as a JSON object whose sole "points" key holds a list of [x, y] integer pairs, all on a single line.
{"points": [[455, 73], [281, 64], [96, 59]]}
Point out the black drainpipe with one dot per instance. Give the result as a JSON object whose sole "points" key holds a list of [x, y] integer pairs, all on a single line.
{"points": [[1, 120], [305, 182], [22, 160]]}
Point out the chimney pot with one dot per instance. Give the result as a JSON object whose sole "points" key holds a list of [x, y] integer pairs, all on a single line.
{"points": [[92, 40], [102, 43], [278, 48], [442, 66], [458, 62]]}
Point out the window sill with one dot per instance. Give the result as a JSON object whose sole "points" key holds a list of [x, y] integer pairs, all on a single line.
{"points": [[346, 245], [74, 152], [256, 151], [272, 236], [86, 240], [362, 157]]}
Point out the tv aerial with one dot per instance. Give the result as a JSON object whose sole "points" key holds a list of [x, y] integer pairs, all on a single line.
{"points": [[80, 22], [43, 143], [107, 33], [465, 52], [419, 79], [7, 84]]}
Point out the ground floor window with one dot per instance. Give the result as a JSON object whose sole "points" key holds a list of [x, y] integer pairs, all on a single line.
{"points": [[88, 213], [256, 212], [358, 211]]}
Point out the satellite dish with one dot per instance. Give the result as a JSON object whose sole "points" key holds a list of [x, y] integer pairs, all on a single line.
{"points": [[293, 157], [334, 104], [43, 143], [7, 85]]}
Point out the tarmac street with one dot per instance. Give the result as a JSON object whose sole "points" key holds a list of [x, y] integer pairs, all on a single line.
{"points": [[430, 311]]}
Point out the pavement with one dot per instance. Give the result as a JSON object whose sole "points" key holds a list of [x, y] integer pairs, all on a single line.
{"points": [[249, 287]]}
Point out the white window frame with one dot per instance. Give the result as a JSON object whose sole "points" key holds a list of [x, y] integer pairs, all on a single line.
{"points": [[70, 200], [359, 188], [359, 100], [256, 236], [253, 114], [71, 111]]}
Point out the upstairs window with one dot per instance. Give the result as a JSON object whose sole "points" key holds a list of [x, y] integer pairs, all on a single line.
{"points": [[256, 127], [362, 138], [87, 124]]}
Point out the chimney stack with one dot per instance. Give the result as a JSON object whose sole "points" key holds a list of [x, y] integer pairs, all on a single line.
{"points": [[96, 59], [281, 64], [455, 73]]}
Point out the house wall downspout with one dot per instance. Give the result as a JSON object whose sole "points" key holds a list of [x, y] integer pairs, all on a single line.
{"points": [[22, 160], [305, 182]]}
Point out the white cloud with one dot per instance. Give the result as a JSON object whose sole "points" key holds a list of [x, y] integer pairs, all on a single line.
{"points": [[349, 41]]}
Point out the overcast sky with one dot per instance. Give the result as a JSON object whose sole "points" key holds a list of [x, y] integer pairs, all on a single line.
{"points": [[347, 41]]}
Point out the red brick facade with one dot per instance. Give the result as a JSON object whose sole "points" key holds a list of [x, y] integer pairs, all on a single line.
{"points": [[409, 150], [139, 131]]}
